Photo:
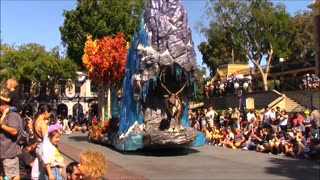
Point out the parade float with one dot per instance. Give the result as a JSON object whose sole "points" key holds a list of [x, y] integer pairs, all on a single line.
{"points": [[158, 84]]}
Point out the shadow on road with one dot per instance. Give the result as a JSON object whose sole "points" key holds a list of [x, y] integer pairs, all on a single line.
{"points": [[162, 152], [295, 168], [78, 138], [156, 151]]}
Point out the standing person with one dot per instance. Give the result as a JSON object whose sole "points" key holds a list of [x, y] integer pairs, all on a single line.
{"points": [[235, 118], [266, 115], [65, 126], [283, 120], [274, 120], [315, 118], [93, 164], [51, 158], [13, 97], [26, 159], [211, 116], [73, 172], [41, 131], [251, 116], [9, 149], [223, 121]]}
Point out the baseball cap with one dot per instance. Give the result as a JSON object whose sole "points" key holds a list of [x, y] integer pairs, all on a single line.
{"points": [[307, 112]]}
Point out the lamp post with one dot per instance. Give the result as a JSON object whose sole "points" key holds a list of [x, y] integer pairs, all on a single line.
{"points": [[308, 80], [241, 86], [281, 60], [78, 108]]}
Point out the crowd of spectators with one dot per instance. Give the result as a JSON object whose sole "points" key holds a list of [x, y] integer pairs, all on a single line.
{"points": [[221, 88], [272, 131], [310, 82]]}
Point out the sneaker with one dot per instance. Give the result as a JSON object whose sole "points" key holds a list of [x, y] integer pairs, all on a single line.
{"points": [[244, 148]]}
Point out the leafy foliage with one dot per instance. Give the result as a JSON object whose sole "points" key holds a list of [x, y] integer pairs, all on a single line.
{"points": [[255, 29], [98, 18], [302, 43], [200, 81], [105, 59], [32, 63]]}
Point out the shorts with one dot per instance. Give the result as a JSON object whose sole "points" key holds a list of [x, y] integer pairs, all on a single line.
{"points": [[11, 167]]}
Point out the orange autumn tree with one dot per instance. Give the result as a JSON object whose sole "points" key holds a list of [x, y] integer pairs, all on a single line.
{"points": [[105, 61]]}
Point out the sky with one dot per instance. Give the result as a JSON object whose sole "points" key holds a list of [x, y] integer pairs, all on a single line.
{"points": [[38, 21]]}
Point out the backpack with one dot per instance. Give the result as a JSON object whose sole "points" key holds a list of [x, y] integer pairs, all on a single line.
{"points": [[23, 134], [23, 138]]}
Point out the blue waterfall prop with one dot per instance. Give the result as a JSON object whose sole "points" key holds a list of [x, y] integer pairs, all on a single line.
{"points": [[130, 109]]}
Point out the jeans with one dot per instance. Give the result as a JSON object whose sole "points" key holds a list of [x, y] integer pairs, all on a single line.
{"points": [[13, 109], [55, 172], [249, 144]]}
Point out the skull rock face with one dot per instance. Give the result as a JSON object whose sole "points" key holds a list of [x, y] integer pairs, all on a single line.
{"points": [[169, 38]]}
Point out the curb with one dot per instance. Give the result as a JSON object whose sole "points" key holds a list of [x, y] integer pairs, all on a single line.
{"points": [[113, 172]]}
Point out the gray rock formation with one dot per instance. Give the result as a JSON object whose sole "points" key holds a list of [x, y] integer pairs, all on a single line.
{"points": [[169, 38], [166, 67]]}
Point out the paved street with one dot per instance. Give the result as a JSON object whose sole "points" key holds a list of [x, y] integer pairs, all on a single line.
{"points": [[206, 162]]}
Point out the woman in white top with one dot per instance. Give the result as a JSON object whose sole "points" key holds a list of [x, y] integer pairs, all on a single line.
{"points": [[283, 120], [41, 132]]}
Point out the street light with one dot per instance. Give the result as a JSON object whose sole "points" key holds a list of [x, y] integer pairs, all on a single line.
{"points": [[78, 108], [241, 86], [281, 60]]}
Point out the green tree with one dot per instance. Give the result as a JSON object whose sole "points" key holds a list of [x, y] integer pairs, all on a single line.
{"points": [[302, 43], [200, 81], [257, 28], [32, 64], [219, 49], [98, 18]]}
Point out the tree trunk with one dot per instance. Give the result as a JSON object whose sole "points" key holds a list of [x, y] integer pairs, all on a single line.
{"points": [[101, 102], [264, 76], [265, 81], [109, 102]]}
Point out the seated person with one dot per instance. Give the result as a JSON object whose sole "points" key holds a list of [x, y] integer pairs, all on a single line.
{"points": [[239, 139]]}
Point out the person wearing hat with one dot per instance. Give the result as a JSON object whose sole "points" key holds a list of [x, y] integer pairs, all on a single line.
{"points": [[307, 120], [9, 149]]}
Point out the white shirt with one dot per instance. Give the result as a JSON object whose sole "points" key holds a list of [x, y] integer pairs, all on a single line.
{"points": [[266, 117], [210, 114], [283, 120], [251, 117]]}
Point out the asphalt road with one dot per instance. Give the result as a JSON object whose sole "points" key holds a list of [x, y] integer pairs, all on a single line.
{"points": [[206, 162]]}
